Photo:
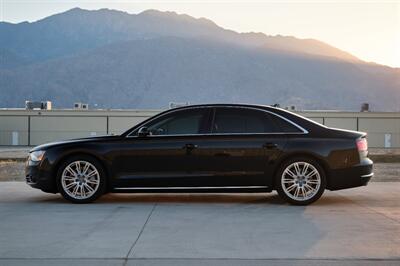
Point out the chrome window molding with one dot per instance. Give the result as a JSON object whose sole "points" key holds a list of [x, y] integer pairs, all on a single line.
{"points": [[303, 130], [221, 134], [368, 175]]}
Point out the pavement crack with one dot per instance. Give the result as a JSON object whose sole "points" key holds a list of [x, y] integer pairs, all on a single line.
{"points": [[139, 235]]}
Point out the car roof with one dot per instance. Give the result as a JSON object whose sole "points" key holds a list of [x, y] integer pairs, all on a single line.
{"points": [[210, 105], [300, 121], [286, 114]]}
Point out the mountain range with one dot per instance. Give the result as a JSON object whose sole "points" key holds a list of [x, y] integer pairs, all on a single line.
{"points": [[112, 59]]}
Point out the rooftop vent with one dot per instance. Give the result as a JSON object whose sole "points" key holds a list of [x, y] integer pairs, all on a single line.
{"points": [[32, 105], [81, 106], [365, 107]]}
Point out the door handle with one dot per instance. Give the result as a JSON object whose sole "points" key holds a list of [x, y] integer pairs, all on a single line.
{"points": [[270, 145], [190, 146]]}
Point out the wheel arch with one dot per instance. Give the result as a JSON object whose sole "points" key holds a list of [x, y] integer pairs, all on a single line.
{"points": [[83, 153], [303, 154]]}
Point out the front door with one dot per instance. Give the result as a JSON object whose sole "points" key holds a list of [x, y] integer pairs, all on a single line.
{"points": [[162, 158]]}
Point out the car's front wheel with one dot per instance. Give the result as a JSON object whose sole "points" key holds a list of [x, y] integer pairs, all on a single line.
{"points": [[300, 181], [81, 179]]}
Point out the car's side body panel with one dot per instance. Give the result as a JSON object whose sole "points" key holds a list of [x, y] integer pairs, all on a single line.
{"points": [[209, 161]]}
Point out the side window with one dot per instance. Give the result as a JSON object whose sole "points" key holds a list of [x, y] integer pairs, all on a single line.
{"points": [[285, 126], [183, 122], [236, 120]]}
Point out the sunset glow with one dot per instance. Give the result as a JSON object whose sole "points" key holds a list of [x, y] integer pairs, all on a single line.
{"points": [[369, 30]]}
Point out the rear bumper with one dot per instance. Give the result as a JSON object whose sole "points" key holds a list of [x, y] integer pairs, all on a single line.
{"points": [[356, 176]]}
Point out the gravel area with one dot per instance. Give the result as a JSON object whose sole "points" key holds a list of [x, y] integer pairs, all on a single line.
{"points": [[386, 172], [383, 151], [14, 171], [12, 152]]}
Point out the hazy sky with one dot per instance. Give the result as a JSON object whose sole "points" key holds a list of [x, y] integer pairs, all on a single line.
{"points": [[369, 30]]}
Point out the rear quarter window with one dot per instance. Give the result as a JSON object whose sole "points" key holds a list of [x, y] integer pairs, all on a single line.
{"points": [[285, 126]]}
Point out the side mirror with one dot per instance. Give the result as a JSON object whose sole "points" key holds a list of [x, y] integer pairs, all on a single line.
{"points": [[143, 132]]}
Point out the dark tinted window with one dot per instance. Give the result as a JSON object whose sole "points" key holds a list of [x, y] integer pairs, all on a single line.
{"points": [[284, 126], [237, 120], [183, 122]]}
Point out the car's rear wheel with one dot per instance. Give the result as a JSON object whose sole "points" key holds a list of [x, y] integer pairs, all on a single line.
{"points": [[81, 179], [300, 181]]}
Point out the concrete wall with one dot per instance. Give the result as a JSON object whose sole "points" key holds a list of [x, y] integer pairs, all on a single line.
{"points": [[22, 127], [13, 130]]}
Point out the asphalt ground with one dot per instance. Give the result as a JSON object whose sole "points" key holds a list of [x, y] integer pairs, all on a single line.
{"points": [[358, 226]]}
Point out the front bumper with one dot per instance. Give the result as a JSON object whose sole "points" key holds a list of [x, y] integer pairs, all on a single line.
{"points": [[355, 176], [37, 176]]}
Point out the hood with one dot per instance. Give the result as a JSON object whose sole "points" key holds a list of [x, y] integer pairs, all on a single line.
{"points": [[72, 141]]}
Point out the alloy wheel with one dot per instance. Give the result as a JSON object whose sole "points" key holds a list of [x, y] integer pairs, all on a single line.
{"points": [[301, 181], [80, 180]]}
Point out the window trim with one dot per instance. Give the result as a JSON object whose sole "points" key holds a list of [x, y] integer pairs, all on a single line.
{"points": [[303, 130]]}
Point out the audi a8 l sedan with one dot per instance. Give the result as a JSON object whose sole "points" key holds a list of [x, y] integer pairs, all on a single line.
{"points": [[207, 148]]}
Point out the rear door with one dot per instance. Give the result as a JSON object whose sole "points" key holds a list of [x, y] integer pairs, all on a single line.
{"points": [[241, 149]]}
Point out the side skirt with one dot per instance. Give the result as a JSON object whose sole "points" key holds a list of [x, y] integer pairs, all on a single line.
{"points": [[249, 189]]}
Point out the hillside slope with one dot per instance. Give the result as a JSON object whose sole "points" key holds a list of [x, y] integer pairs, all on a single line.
{"points": [[118, 60]]}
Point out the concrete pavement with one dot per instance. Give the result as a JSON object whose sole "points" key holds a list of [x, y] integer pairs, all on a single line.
{"points": [[351, 227]]}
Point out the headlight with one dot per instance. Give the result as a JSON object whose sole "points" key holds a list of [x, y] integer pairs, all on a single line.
{"points": [[36, 156]]}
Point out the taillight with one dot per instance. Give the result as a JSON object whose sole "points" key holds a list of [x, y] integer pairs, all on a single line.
{"points": [[362, 144]]}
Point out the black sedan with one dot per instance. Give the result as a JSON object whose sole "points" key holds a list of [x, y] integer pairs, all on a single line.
{"points": [[207, 148]]}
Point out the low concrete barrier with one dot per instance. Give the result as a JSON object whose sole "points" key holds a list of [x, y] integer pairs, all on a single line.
{"points": [[21, 127]]}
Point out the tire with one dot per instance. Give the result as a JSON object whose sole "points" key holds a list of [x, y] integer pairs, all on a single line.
{"points": [[81, 179], [300, 181]]}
